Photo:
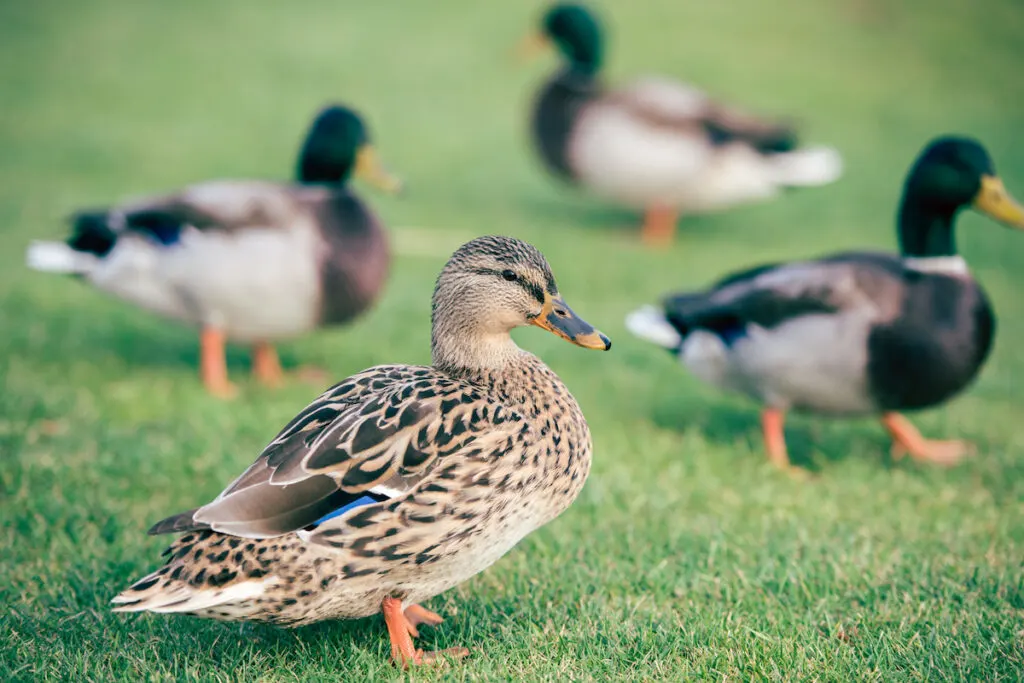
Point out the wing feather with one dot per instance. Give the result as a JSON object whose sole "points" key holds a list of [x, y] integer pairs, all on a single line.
{"points": [[769, 295], [383, 431], [220, 205]]}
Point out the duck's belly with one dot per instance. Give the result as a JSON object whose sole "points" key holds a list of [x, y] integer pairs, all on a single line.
{"points": [[256, 284], [338, 584], [814, 363]]}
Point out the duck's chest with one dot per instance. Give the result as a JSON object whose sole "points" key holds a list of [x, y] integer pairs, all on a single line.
{"points": [[556, 110], [935, 347], [553, 462]]}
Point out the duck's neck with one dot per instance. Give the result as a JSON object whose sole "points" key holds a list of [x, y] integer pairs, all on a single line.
{"points": [[926, 230], [583, 70], [467, 351]]}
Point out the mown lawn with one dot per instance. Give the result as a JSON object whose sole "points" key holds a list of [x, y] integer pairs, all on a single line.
{"points": [[687, 555]]}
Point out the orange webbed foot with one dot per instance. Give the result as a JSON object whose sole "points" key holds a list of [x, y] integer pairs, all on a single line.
{"points": [[907, 440], [402, 629]]}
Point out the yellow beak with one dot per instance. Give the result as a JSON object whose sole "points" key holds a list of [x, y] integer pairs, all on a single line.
{"points": [[532, 45], [369, 169], [994, 201], [556, 317]]}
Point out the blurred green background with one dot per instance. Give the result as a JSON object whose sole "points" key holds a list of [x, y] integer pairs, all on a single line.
{"points": [[686, 555]]}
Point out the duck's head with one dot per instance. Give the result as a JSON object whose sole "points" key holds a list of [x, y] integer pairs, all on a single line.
{"points": [[337, 147], [952, 173], [575, 33], [490, 286]]}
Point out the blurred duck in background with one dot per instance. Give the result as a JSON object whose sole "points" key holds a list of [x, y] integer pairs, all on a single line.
{"points": [[857, 333], [654, 144], [249, 261]]}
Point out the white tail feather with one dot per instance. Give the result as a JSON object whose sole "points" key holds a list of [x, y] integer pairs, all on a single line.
{"points": [[807, 167], [182, 598], [649, 323], [57, 257]]}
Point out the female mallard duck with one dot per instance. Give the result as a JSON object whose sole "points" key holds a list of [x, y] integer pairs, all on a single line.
{"points": [[250, 261], [856, 333], [401, 481], [655, 144]]}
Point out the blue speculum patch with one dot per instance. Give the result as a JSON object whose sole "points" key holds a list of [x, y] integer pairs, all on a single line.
{"points": [[165, 233], [732, 334], [358, 502]]}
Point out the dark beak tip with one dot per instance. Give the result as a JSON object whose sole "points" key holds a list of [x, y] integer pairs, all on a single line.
{"points": [[607, 342]]}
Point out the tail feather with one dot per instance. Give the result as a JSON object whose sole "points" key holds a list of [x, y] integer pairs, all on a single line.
{"points": [[807, 167], [157, 593], [57, 257], [649, 323]]}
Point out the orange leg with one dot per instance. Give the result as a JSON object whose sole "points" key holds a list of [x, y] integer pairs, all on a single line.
{"points": [[213, 364], [265, 364], [772, 423], [266, 367], [907, 440], [402, 630], [659, 226]]}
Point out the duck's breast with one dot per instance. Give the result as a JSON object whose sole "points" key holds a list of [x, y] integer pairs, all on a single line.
{"points": [[935, 347], [355, 258]]}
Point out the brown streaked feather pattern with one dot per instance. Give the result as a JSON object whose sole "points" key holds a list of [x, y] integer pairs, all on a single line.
{"points": [[461, 456], [386, 424]]}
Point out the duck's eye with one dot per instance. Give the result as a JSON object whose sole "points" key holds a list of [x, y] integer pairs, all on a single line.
{"points": [[509, 275]]}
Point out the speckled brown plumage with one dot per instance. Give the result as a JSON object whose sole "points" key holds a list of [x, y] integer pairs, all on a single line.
{"points": [[467, 457]]}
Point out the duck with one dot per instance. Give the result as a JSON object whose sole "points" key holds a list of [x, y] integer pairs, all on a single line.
{"points": [[858, 333], [400, 481], [654, 144], [247, 261]]}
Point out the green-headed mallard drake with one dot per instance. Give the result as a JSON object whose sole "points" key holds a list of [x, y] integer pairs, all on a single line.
{"points": [[856, 333], [251, 261], [655, 144], [401, 481]]}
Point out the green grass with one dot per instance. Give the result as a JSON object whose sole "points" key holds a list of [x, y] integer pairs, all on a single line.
{"points": [[686, 555]]}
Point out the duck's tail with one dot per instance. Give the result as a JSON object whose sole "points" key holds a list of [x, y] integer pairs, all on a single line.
{"points": [[650, 323], [203, 571], [808, 167], [93, 235], [159, 593], [58, 257]]}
